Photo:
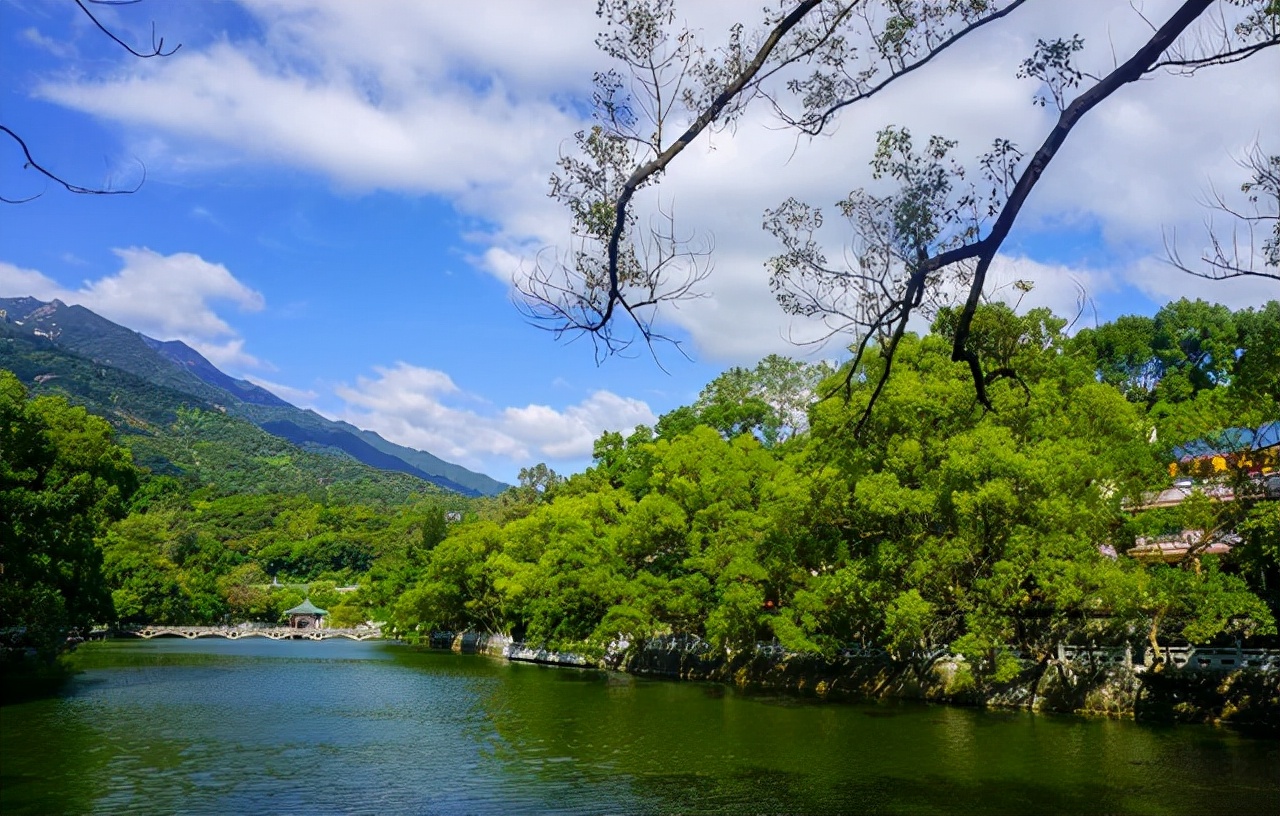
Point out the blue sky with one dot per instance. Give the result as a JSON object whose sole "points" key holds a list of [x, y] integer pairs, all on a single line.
{"points": [[338, 194]]}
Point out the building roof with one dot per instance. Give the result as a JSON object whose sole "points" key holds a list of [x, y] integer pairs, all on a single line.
{"points": [[1170, 549], [1268, 436], [306, 608], [1231, 440], [1173, 496]]}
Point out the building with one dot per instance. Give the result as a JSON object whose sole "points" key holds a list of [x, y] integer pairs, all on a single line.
{"points": [[306, 615]]}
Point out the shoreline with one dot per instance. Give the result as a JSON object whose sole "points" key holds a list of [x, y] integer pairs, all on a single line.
{"points": [[1246, 699]]}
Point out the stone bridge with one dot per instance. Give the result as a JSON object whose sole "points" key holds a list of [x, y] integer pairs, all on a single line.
{"points": [[236, 633]]}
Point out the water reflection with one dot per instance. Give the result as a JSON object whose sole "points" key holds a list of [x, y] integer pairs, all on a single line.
{"points": [[261, 726]]}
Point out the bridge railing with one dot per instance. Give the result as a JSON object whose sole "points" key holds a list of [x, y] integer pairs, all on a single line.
{"points": [[238, 632]]}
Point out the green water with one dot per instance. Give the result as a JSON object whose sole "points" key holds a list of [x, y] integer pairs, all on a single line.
{"points": [[220, 727]]}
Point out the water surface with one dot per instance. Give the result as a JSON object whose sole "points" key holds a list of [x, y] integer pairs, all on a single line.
{"points": [[257, 726]]}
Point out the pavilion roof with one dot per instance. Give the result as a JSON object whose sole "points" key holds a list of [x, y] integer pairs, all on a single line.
{"points": [[306, 608]]}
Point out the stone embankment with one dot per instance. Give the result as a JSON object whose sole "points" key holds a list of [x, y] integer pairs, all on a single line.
{"points": [[1233, 686]]}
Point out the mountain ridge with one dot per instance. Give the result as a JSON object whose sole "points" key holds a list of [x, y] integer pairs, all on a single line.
{"points": [[176, 367]]}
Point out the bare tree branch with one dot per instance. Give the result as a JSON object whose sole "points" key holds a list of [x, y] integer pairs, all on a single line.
{"points": [[938, 229], [157, 47], [646, 171], [800, 34], [813, 123], [157, 50], [32, 164], [985, 250], [1252, 248], [1218, 42]]}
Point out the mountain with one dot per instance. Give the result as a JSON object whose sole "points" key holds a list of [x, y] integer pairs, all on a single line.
{"points": [[116, 371], [79, 331], [183, 356]]}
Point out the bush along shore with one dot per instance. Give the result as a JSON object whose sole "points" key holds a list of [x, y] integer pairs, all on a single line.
{"points": [[1226, 686]]}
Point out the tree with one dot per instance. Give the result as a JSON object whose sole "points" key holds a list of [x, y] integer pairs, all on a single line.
{"points": [[945, 526], [938, 230], [435, 527], [771, 401], [147, 586], [1191, 349], [62, 479]]}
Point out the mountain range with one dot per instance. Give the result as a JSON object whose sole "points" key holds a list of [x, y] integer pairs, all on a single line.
{"points": [[125, 375]]}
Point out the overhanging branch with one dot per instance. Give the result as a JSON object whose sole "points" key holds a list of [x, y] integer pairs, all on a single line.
{"points": [[32, 164]]}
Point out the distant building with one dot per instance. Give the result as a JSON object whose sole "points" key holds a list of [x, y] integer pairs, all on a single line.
{"points": [[1172, 549], [1207, 465], [1234, 463], [1253, 450]]}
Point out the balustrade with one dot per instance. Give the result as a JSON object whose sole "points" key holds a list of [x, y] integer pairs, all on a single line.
{"points": [[236, 632]]}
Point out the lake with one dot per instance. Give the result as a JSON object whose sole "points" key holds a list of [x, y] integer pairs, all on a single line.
{"points": [[258, 726]]}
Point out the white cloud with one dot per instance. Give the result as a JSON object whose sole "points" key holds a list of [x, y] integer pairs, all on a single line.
{"points": [[54, 46], [169, 297], [1161, 282], [1070, 292], [423, 408], [18, 282], [301, 397], [476, 102]]}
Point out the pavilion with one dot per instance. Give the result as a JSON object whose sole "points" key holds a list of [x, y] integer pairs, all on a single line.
{"points": [[306, 615]]}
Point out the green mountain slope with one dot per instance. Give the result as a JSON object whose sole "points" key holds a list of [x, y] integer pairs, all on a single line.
{"points": [[107, 350], [177, 434]]}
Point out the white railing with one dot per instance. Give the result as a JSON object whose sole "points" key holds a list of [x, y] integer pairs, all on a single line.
{"points": [[1190, 658], [522, 653], [1193, 658], [270, 632]]}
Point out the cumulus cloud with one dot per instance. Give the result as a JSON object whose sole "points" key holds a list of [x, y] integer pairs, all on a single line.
{"points": [[18, 282], [475, 103], [423, 408], [444, 142], [301, 397], [169, 297], [1070, 292], [1161, 282]]}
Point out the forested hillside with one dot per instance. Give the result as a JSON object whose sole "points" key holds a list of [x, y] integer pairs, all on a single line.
{"points": [[757, 513], [132, 380]]}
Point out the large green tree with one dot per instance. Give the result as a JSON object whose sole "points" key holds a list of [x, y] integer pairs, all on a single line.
{"points": [[62, 481], [945, 525]]}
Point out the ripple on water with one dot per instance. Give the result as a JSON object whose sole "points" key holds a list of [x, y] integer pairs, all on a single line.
{"points": [[260, 726]]}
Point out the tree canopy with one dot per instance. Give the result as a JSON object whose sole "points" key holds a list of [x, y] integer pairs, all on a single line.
{"points": [[750, 515], [62, 481], [943, 526]]}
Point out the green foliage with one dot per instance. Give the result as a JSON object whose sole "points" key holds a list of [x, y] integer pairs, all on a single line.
{"points": [[752, 515], [769, 402], [942, 526], [1187, 348], [230, 456], [62, 481]]}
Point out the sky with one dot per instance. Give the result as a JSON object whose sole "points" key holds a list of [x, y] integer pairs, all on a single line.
{"points": [[338, 196]]}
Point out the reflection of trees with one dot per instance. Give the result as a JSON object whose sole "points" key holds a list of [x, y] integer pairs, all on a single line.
{"points": [[55, 757], [668, 746]]}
